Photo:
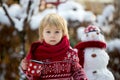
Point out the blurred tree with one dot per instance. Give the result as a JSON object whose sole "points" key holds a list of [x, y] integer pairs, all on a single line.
{"points": [[115, 33], [12, 42], [13, 45]]}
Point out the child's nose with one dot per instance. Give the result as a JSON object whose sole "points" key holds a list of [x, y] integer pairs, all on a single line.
{"points": [[52, 35]]}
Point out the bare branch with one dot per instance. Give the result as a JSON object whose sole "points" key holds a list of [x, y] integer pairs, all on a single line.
{"points": [[11, 21], [24, 27], [6, 12]]}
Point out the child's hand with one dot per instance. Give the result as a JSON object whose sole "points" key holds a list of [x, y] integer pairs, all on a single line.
{"points": [[24, 64]]}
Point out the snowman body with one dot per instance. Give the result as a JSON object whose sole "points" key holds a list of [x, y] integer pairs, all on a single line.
{"points": [[95, 64], [99, 74], [95, 59]]}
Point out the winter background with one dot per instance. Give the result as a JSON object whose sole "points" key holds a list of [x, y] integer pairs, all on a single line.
{"points": [[20, 19]]}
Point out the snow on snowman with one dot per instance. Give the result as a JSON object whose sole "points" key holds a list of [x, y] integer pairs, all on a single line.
{"points": [[93, 57]]}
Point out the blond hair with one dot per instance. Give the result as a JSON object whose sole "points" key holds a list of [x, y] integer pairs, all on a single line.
{"points": [[53, 19]]}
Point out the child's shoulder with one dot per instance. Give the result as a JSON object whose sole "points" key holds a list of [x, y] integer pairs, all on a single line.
{"points": [[73, 50], [36, 43], [72, 53]]}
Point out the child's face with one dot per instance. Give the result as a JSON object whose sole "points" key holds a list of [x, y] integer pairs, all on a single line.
{"points": [[52, 35]]}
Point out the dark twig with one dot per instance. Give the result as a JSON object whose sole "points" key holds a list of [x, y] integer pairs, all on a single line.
{"points": [[6, 12], [25, 24]]}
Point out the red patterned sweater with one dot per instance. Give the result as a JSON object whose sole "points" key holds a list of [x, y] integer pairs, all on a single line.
{"points": [[61, 62]]}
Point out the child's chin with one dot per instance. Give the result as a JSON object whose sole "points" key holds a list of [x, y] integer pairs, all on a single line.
{"points": [[53, 44]]}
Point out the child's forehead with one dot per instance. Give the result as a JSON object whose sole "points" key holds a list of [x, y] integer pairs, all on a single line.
{"points": [[52, 27]]}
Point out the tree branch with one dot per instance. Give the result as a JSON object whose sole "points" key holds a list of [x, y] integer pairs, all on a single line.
{"points": [[6, 12], [24, 27]]}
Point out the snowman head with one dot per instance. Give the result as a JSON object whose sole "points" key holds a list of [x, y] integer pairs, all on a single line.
{"points": [[92, 33]]}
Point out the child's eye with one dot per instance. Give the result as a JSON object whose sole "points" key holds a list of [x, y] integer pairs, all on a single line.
{"points": [[57, 32], [47, 31]]}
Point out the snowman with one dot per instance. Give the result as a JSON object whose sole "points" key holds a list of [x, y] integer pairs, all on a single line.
{"points": [[93, 57]]}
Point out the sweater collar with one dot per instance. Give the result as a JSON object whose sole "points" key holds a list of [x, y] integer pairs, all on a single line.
{"points": [[56, 52]]}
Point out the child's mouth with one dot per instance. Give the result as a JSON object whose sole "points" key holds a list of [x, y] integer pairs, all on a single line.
{"points": [[52, 40]]}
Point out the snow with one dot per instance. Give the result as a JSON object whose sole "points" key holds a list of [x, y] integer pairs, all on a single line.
{"points": [[113, 44], [18, 24], [95, 66], [24, 3], [89, 16], [75, 10], [70, 10], [101, 20], [79, 15], [108, 10], [1, 11], [70, 5], [35, 21], [4, 19], [83, 36], [80, 32], [13, 10]]}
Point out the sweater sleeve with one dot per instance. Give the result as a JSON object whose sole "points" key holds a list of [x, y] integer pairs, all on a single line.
{"points": [[77, 70], [30, 56], [31, 53]]}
